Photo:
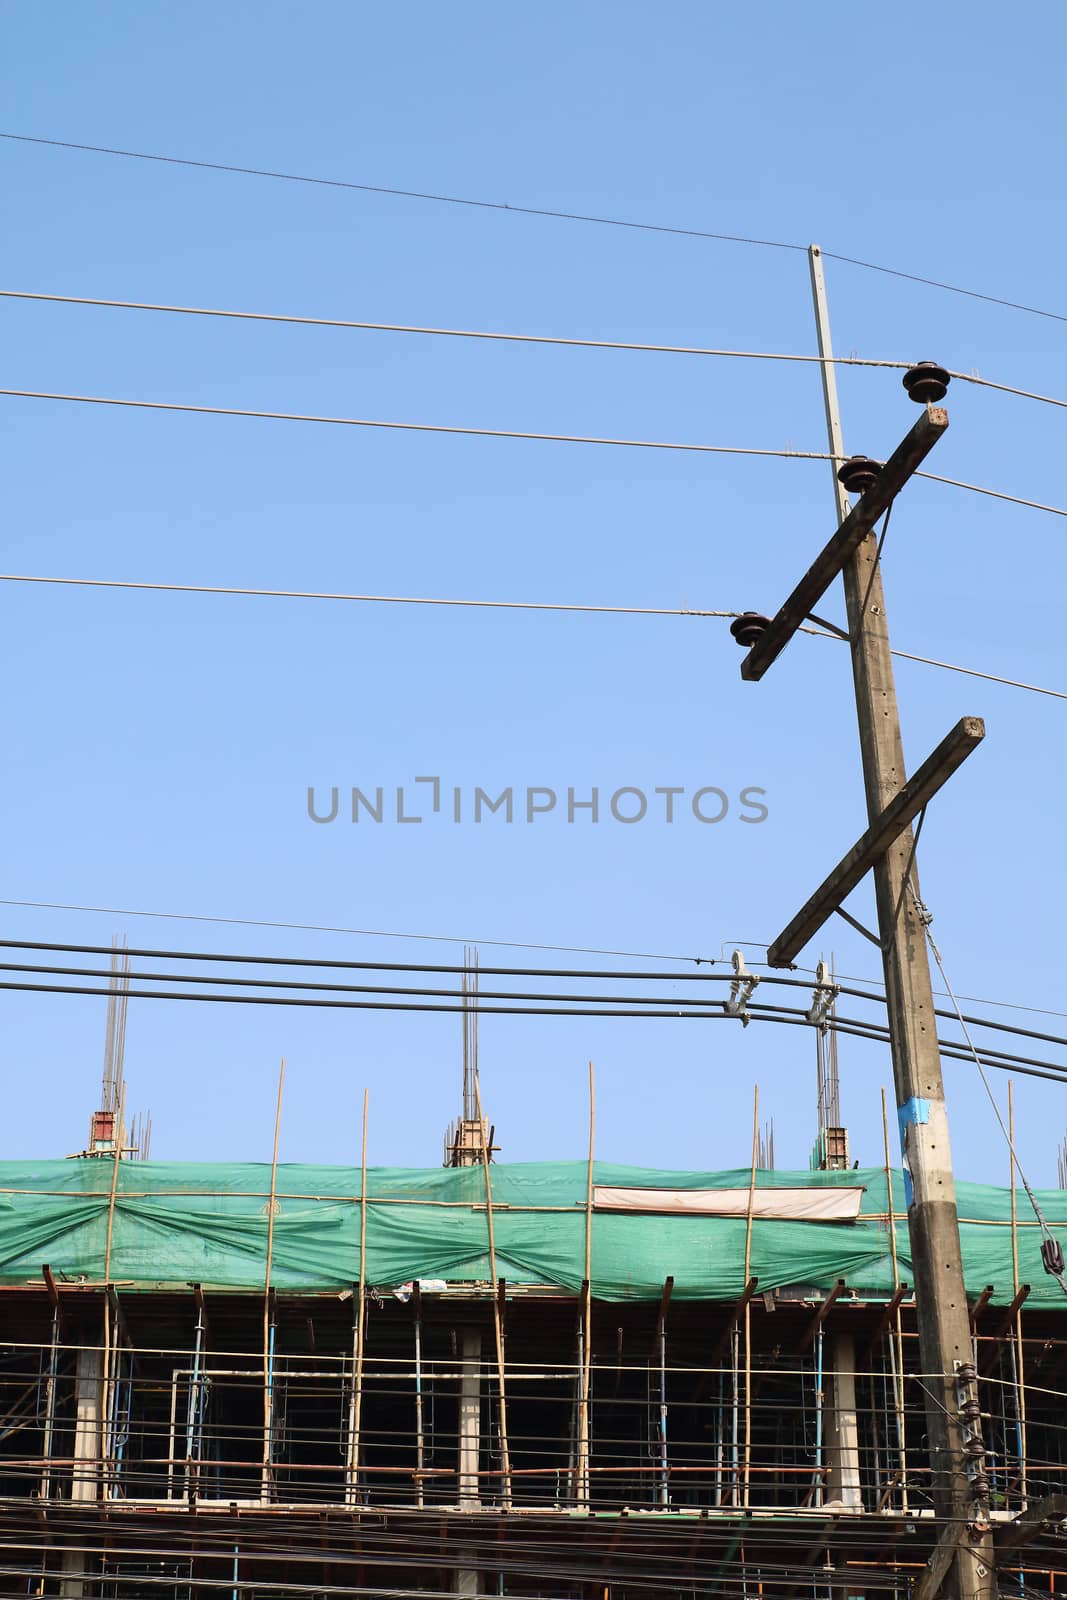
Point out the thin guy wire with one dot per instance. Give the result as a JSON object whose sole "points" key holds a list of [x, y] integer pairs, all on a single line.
{"points": [[926, 919], [529, 211]]}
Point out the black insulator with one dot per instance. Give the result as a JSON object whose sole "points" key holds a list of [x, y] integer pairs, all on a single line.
{"points": [[975, 1449], [966, 1372], [980, 1484], [748, 627], [926, 383], [858, 473], [1052, 1257]]}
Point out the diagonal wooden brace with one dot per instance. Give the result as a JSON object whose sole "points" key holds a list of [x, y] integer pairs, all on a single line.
{"points": [[908, 455], [901, 811]]}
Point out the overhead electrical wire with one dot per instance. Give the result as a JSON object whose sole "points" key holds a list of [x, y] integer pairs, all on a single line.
{"points": [[413, 427], [522, 210], [421, 997], [369, 933], [488, 605], [378, 599], [454, 939], [446, 333], [536, 1005], [492, 433], [405, 194], [994, 494], [514, 338], [1025, 1066]]}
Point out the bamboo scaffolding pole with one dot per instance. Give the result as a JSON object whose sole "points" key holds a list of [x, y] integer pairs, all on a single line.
{"points": [[587, 1310], [497, 1325], [1019, 1356], [268, 1343], [896, 1353], [356, 1403], [748, 1300]]}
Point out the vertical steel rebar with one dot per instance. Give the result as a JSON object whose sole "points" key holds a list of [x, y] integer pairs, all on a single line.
{"points": [[50, 1404]]}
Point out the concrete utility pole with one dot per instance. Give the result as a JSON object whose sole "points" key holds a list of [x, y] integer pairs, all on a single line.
{"points": [[963, 1562]]}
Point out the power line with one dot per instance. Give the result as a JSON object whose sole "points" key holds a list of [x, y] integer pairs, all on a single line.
{"points": [[404, 194], [442, 938], [412, 427], [951, 288], [288, 319], [648, 1010], [508, 605], [368, 933], [520, 210], [972, 672], [493, 433], [456, 333], [995, 494], [408, 968], [380, 599]]}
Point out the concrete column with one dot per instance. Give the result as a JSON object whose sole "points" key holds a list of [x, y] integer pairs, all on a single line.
{"points": [[842, 1430], [88, 1442], [88, 1426], [470, 1418], [466, 1579]]}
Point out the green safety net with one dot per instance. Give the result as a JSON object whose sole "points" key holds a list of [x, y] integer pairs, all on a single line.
{"points": [[176, 1223]]}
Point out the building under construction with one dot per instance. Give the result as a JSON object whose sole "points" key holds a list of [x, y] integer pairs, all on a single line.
{"points": [[551, 1378]]}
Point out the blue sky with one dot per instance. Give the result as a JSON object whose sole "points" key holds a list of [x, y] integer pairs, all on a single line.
{"points": [[159, 747]]}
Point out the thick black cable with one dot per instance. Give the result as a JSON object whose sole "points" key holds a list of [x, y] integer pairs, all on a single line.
{"points": [[567, 973], [652, 1010]]}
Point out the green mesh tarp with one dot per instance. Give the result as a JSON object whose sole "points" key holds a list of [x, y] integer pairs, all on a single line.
{"points": [[175, 1223]]}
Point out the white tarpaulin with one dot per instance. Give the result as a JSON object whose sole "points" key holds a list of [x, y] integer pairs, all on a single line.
{"points": [[817, 1203]]}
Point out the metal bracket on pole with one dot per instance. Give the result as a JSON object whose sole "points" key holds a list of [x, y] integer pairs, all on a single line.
{"points": [[742, 988], [908, 455], [974, 1455], [823, 996], [901, 811]]}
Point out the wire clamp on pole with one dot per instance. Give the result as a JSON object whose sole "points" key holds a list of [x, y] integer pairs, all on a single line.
{"points": [[922, 910]]}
